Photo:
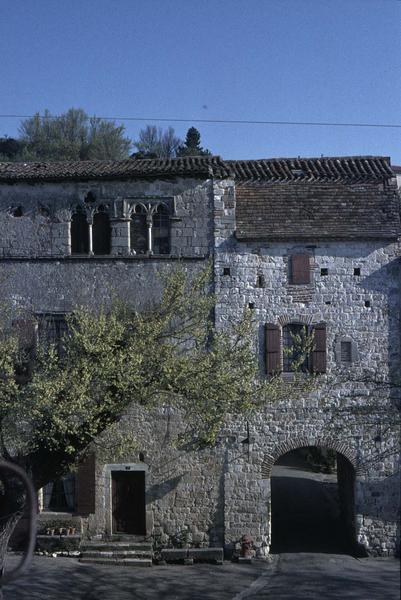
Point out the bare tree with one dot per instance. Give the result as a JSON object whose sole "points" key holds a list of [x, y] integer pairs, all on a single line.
{"points": [[153, 142]]}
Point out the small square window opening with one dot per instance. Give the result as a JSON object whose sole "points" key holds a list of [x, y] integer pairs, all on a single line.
{"points": [[324, 271], [260, 281], [357, 271], [226, 271], [367, 303]]}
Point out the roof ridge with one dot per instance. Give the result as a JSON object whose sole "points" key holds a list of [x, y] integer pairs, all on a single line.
{"points": [[346, 168]]}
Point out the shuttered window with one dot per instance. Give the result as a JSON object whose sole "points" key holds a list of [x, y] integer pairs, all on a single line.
{"points": [[300, 269], [273, 348], [275, 345], [25, 331], [346, 352], [319, 352], [85, 490]]}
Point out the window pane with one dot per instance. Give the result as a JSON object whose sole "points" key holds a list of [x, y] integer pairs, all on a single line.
{"points": [[292, 349], [52, 329], [161, 231], [101, 233], [139, 231], [79, 233]]}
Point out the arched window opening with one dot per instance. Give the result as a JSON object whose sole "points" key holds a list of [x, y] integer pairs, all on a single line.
{"points": [[101, 233], [139, 231], [79, 233], [90, 198], [161, 231], [312, 502]]}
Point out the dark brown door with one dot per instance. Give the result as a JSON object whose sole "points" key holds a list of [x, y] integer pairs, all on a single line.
{"points": [[128, 504]]}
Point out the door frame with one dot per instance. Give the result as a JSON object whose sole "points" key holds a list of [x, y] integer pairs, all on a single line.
{"points": [[108, 496]]}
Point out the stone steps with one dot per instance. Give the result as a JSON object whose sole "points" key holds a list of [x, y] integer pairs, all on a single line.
{"points": [[123, 562], [116, 546], [115, 554], [127, 553]]}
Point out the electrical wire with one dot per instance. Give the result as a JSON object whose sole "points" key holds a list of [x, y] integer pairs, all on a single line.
{"points": [[219, 121]]}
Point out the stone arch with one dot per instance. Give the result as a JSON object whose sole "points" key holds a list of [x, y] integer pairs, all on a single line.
{"points": [[303, 441], [301, 319]]}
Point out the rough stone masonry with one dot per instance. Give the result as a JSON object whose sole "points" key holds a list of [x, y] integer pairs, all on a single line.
{"points": [[303, 243]]}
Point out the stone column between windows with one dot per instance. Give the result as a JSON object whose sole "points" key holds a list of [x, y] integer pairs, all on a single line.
{"points": [[68, 242], [41, 500], [120, 236], [149, 223], [90, 235]]}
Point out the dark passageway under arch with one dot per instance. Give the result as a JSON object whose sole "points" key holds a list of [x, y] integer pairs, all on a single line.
{"points": [[312, 503]]}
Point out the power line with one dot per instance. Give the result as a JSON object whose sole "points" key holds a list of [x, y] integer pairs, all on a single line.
{"points": [[220, 121]]}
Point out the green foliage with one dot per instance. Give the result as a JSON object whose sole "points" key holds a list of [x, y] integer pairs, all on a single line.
{"points": [[71, 136], [192, 146], [169, 354], [302, 345]]}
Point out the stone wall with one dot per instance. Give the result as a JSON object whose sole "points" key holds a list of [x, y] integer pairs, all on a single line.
{"points": [[37, 269], [222, 493], [35, 218], [352, 404]]}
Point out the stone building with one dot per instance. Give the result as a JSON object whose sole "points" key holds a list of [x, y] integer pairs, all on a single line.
{"points": [[308, 243]]}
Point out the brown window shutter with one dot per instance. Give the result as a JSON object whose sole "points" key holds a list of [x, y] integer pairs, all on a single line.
{"points": [[85, 498], [26, 333], [319, 353], [300, 269], [273, 348]]}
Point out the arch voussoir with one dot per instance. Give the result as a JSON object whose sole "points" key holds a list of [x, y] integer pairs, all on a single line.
{"points": [[296, 442]]}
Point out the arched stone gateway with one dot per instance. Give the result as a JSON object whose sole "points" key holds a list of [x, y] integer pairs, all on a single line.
{"points": [[312, 508], [305, 441]]}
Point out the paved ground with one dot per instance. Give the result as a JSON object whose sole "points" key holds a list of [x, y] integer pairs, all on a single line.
{"points": [[288, 577], [65, 578]]}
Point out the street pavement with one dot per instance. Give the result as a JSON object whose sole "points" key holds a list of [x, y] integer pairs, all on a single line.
{"points": [[307, 576], [298, 576]]}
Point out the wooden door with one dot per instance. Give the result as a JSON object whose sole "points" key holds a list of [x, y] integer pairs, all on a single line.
{"points": [[128, 502]]}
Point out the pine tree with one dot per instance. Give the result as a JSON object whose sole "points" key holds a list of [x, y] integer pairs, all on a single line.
{"points": [[192, 145]]}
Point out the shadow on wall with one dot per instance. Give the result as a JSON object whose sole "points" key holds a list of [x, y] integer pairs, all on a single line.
{"points": [[381, 498], [158, 491]]}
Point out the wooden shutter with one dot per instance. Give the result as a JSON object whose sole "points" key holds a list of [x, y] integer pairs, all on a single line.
{"points": [[300, 269], [273, 348], [26, 332], [319, 353], [85, 493]]}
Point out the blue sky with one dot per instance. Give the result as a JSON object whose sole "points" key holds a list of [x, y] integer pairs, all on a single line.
{"points": [[297, 60]]}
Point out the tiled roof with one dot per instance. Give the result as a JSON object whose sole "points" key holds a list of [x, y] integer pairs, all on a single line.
{"points": [[203, 166], [343, 168], [322, 210], [347, 169]]}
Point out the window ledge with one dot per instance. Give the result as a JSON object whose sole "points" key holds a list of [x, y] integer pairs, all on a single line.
{"points": [[102, 257]]}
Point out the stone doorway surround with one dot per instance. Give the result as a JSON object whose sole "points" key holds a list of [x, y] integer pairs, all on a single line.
{"points": [[123, 467]]}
